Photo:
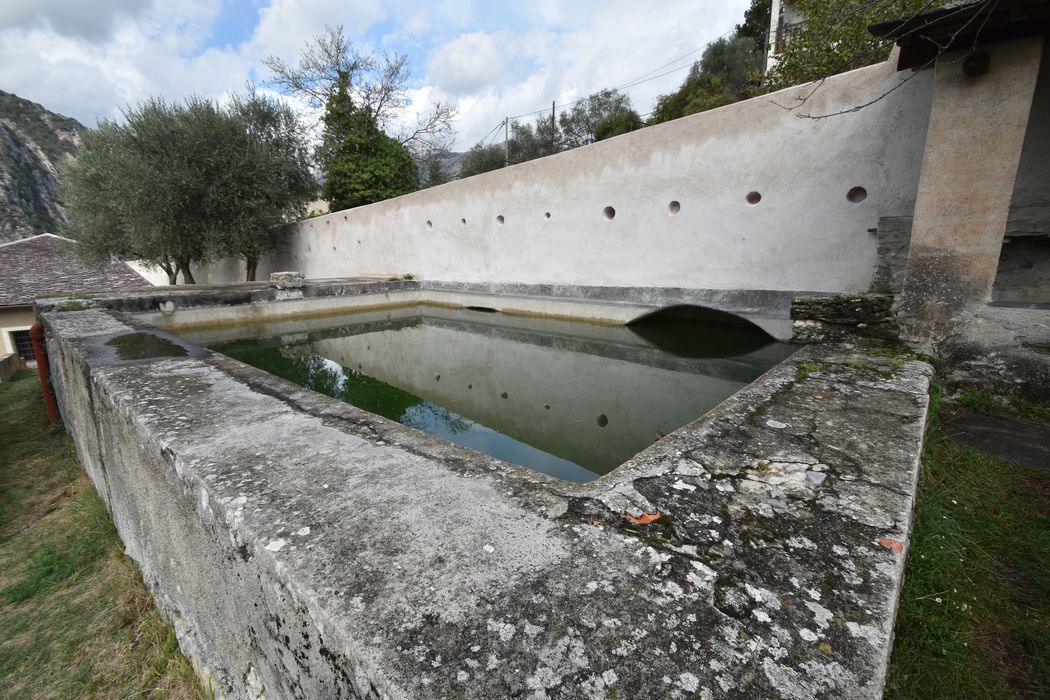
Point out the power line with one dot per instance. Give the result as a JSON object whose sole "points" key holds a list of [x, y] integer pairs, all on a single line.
{"points": [[643, 78], [447, 169]]}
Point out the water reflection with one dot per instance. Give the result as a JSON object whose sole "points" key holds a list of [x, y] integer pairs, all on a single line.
{"points": [[568, 399]]}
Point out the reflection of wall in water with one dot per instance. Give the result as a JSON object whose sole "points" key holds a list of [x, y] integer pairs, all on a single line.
{"points": [[640, 402]]}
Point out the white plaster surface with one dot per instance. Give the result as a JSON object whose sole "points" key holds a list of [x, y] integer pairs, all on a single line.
{"points": [[804, 235]]}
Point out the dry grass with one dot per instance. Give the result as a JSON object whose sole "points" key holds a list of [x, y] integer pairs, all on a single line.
{"points": [[75, 618]]}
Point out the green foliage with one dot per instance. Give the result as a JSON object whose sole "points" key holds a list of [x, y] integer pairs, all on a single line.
{"points": [[186, 183], [270, 184], [361, 164], [55, 562], [756, 24], [481, 159], [834, 38], [604, 114], [1032, 410], [726, 73], [974, 610], [75, 618], [432, 171], [984, 403], [617, 124]]}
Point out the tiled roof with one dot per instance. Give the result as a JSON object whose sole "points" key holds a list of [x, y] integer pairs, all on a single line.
{"points": [[47, 264]]}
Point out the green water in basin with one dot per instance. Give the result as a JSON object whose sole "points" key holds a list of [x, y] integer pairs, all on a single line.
{"points": [[572, 400]]}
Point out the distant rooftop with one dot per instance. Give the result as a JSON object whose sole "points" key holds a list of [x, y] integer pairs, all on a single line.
{"points": [[48, 264]]}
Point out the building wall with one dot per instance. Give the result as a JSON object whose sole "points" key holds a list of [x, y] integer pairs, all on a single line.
{"points": [[804, 234], [13, 318], [973, 154], [1030, 204]]}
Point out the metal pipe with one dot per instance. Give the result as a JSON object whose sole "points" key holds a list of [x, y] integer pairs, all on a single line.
{"points": [[43, 369]]}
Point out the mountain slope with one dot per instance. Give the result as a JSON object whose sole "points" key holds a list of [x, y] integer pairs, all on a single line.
{"points": [[34, 144]]}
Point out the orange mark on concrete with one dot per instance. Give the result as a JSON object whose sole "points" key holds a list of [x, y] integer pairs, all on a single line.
{"points": [[597, 523], [645, 519], [895, 545]]}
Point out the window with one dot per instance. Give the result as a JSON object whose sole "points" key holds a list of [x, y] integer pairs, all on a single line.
{"points": [[23, 345]]}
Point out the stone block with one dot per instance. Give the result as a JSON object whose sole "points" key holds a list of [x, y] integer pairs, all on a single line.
{"points": [[287, 280]]}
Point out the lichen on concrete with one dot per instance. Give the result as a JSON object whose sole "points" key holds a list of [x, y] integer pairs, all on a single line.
{"points": [[306, 548]]}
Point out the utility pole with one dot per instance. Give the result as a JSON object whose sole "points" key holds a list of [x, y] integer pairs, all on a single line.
{"points": [[552, 127], [506, 141]]}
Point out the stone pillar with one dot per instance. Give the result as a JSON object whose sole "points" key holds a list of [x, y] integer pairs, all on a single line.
{"points": [[973, 145]]}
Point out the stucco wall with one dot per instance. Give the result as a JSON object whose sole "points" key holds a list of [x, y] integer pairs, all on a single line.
{"points": [[14, 318], [803, 235]]}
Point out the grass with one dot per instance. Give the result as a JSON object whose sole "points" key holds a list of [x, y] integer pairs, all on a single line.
{"points": [[75, 618], [974, 618]]}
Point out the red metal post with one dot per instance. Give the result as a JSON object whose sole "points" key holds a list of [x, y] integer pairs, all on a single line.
{"points": [[36, 335]]}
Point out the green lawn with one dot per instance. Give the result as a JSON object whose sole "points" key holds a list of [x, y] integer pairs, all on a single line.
{"points": [[974, 619], [75, 619]]}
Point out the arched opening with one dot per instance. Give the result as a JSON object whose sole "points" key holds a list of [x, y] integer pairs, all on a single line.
{"points": [[688, 330]]}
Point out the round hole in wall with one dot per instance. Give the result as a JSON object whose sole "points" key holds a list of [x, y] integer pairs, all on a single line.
{"points": [[546, 215], [344, 218], [463, 221], [674, 207], [609, 213], [430, 224], [753, 198], [499, 219], [857, 194], [603, 420]]}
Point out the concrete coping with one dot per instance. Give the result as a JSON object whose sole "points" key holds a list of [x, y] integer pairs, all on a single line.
{"points": [[304, 547]]}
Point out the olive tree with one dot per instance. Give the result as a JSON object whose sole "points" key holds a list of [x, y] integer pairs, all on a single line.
{"points": [[834, 38], [185, 183]]}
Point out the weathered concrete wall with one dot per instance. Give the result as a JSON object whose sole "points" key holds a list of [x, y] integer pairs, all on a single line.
{"points": [[976, 132], [305, 548], [1023, 275], [9, 364], [1030, 204], [679, 191]]}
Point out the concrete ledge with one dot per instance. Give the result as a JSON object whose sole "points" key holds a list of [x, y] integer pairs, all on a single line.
{"points": [[195, 306], [306, 548], [9, 364]]}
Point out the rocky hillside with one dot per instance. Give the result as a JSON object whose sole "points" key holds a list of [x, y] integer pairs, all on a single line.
{"points": [[34, 144]]}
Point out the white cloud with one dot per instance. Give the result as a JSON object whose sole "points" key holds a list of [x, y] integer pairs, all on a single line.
{"points": [[93, 20], [286, 25], [468, 64], [489, 60]]}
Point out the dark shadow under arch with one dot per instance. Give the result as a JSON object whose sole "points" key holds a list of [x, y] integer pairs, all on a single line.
{"points": [[688, 330]]}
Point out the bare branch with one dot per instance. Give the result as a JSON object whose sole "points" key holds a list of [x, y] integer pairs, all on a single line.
{"points": [[433, 130], [988, 5], [319, 67], [375, 83]]}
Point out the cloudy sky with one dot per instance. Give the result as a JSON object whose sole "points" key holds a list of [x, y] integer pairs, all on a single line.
{"points": [[89, 58]]}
